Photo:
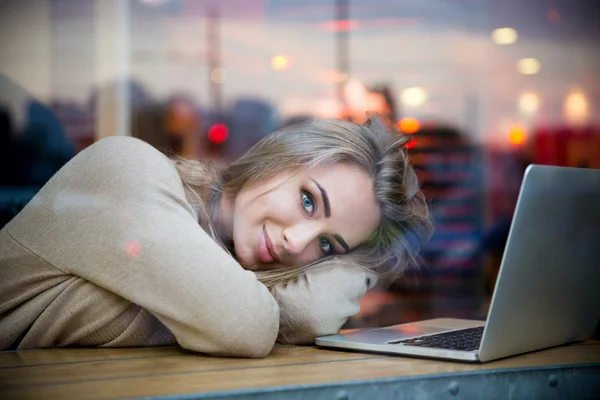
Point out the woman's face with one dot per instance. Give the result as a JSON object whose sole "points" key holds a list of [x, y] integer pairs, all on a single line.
{"points": [[297, 218]]}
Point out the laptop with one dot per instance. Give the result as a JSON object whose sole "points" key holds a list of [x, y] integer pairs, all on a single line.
{"points": [[548, 287]]}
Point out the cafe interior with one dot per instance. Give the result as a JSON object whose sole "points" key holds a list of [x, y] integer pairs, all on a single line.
{"points": [[484, 88]]}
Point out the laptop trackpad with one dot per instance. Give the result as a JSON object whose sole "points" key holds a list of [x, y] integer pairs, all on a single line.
{"points": [[384, 335]]}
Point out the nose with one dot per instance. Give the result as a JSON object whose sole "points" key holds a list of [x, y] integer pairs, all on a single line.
{"points": [[297, 237]]}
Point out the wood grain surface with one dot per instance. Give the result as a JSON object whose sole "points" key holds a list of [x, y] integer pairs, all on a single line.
{"points": [[163, 371]]}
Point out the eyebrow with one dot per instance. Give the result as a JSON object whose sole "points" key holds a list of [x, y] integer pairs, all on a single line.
{"points": [[325, 197], [327, 207], [342, 242]]}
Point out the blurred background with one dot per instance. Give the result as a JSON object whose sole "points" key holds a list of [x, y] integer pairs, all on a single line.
{"points": [[484, 86]]}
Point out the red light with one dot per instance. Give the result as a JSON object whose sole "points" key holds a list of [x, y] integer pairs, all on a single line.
{"points": [[553, 15], [341, 25], [412, 143], [218, 133]]}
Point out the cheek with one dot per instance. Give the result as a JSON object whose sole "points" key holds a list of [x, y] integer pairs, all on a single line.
{"points": [[251, 212], [247, 205], [311, 254], [279, 206]]}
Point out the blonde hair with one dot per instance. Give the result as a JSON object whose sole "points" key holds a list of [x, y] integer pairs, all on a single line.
{"points": [[405, 222]]}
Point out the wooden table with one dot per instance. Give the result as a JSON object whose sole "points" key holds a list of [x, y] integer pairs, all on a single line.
{"points": [[294, 373]]}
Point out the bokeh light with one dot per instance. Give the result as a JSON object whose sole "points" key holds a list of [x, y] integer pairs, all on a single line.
{"points": [[355, 95], [218, 133], [414, 96], [409, 125], [412, 143], [576, 108], [344, 25], [528, 66], [529, 103], [553, 15], [281, 62], [504, 36], [517, 135], [218, 75]]}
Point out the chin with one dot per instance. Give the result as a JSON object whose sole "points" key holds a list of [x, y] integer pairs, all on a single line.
{"points": [[250, 266], [245, 260]]}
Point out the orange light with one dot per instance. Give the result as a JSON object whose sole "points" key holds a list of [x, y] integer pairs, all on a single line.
{"points": [[281, 62], [218, 133], [517, 135], [409, 125]]}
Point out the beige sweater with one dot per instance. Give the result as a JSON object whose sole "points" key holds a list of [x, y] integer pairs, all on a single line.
{"points": [[109, 253]]}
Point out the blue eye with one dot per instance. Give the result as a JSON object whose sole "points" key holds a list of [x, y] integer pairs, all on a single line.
{"points": [[326, 246], [308, 203]]}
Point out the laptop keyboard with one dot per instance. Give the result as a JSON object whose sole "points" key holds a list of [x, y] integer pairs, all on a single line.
{"points": [[465, 340]]}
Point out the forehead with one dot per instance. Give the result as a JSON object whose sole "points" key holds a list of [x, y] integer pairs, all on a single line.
{"points": [[355, 213]]}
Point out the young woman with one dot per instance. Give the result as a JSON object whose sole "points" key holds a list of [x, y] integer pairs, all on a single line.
{"points": [[124, 247]]}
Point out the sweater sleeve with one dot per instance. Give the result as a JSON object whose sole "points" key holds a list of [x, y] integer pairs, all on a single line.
{"points": [[117, 216], [320, 302]]}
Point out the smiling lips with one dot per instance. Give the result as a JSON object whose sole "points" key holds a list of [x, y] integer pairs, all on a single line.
{"points": [[265, 248]]}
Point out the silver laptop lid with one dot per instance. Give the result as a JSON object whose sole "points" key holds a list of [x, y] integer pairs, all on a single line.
{"points": [[548, 288]]}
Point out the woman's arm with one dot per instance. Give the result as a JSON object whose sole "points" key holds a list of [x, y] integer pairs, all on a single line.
{"points": [[319, 302], [117, 216]]}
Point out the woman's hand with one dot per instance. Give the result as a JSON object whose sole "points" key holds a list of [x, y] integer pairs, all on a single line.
{"points": [[319, 302]]}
